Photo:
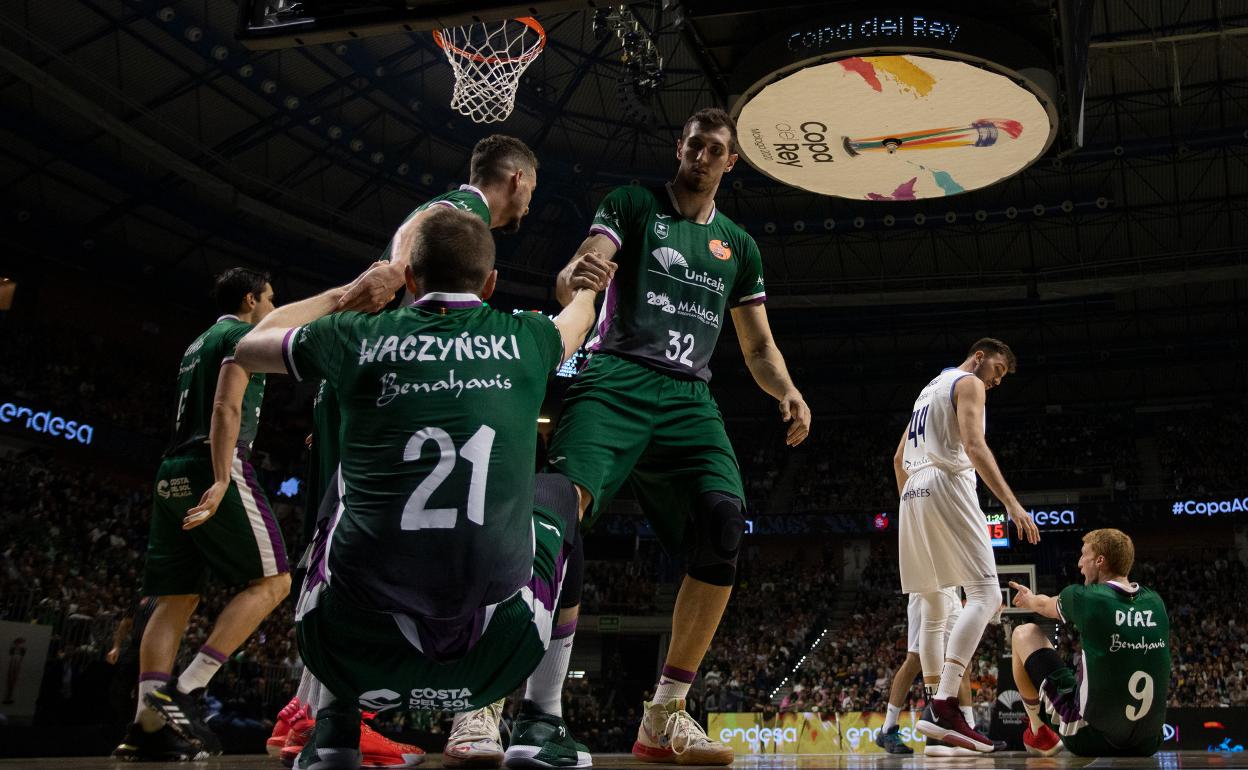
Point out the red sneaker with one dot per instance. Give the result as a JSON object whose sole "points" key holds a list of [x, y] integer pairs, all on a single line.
{"points": [[300, 732], [379, 751], [281, 728], [1046, 743], [943, 720]]}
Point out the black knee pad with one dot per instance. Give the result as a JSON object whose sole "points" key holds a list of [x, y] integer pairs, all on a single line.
{"points": [[717, 529], [573, 575], [553, 492]]}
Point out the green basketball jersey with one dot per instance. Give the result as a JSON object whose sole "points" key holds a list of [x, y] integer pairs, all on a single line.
{"points": [[665, 306], [439, 404], [466, 198], [197, 388], [1125, 637]]}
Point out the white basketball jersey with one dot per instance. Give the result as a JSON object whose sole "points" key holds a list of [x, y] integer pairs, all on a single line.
{"points": [[933, 438]]}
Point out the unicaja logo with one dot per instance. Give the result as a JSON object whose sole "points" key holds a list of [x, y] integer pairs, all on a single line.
{"points": [[46, 422], [668, 257]]}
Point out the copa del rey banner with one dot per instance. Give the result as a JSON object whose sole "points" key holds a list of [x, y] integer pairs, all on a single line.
{"points": [[809, 732]]}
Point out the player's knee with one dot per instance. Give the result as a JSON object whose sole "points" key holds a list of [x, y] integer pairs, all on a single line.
{"points": [[718, 527], [1024, 632], [275, 587]]}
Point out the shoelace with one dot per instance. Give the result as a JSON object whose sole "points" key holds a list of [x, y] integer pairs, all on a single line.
{"points": [[483, 721], [685, 727]]}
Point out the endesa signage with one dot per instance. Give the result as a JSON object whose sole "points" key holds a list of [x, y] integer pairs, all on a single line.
{"points": [[46, 422], [1055, 519]]}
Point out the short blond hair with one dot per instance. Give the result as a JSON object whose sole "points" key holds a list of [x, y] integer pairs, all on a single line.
{"points": [[1116, 546]]}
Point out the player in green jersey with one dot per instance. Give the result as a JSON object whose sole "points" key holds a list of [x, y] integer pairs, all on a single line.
{"points": [[502, 176], [232, 533], [437, 582], [642, 411], [1113, 703]]}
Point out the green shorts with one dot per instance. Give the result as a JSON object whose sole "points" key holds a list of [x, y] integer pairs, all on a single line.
{"points": [[365, 657], [1063, 709], [623, 421], [242, 541]]}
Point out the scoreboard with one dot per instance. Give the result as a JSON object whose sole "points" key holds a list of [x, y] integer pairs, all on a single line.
{"points": [[998, 530]]}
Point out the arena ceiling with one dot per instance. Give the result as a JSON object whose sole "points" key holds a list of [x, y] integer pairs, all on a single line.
{"points": [[142, 135]]}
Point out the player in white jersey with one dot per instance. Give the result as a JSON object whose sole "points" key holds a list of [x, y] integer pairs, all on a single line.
{"points": [[943, 534]]}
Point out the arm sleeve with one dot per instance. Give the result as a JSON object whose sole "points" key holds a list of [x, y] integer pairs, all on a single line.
{"points": [[546, 336], [613, 213], [316, 351], [748, 288], [1070, 604]]}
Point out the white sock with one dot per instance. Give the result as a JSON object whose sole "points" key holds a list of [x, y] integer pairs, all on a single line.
{"points": [[968, 714], [545, 685], [306, 680], [206, 663], [314, 697], [149, 720], [890, 721], [950, 680]]}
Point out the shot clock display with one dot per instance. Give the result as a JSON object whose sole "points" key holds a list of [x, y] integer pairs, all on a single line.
{"points": [[998, 530]]}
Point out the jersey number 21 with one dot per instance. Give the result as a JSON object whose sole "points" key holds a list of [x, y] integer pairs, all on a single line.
{"points": [[476, 451]]}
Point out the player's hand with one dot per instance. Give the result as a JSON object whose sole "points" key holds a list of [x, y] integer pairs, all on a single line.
{"points": [[112, 656], [1022, 595], [372, 291], [207, 505], [1025, 525], [794, 411], [591, 271]]}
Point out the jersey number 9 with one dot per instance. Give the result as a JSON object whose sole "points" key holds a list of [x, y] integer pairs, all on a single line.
{"points": [[1140, 686]]}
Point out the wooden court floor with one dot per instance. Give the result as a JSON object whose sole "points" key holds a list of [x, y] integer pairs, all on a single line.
{"points": [[1013, 760]]}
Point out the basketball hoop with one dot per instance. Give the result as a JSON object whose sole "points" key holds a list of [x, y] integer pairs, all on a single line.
{"points": [[488, 59]]}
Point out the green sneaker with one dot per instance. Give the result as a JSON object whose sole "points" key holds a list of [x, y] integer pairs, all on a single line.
{"points": [[543, 740], [335, 741]]}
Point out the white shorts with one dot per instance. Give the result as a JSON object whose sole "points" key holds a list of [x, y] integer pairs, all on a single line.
{"points": [[914, 620], [943, 540]]}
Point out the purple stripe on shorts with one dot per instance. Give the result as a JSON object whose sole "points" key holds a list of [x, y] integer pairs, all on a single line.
{"points": [[270, 521], [214, 653], [1064, 705], [564, 631], [679, 674], [155, 676], [546, 590], [318, 565]]}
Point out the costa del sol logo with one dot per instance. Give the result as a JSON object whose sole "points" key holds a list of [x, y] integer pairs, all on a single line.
{"points": [[720, 250], [379, 700], [667, 257]]}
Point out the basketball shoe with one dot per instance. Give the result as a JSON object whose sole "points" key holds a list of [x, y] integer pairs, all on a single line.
{"points": [[164, 745], [335, 741], [376, 750], [474, 740], [539, 739], [943, 720], [298, 736], [891, 741], [180, 711], [289, 714], [1045, 743], [669, 734]]}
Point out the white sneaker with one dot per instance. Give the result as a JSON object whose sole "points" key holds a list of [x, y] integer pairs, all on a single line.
{"points": [[474, 739], [669, 734]]}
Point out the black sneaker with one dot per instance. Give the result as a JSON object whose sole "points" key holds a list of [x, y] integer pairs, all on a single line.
{"points": [[181, 712], [891, 741], [164, 745], [541, 740]]}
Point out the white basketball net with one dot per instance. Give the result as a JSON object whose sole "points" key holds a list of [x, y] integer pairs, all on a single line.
{"points": [[488, 59]]}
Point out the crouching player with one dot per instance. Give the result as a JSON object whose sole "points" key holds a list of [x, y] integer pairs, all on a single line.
{"points": [[436, 583], [1113, 702]]}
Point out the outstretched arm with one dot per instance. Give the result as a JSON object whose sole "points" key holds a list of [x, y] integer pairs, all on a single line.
{"points": [[970, 395], [765, 363], [592, 268], [1037, 603], [575, 320]]}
